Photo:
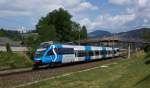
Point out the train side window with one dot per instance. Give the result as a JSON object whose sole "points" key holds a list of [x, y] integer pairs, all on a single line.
{"points": [[109, 52], [118, 50], [96, 52], [81, 53], [91, 53], [103, 52], [114, 51], [86, 53], [65, 51], [50, 53]]}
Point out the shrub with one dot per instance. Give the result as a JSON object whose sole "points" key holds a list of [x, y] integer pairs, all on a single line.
{"points": [[147, 48], [13, 60], [30, 54], [8, 47]]}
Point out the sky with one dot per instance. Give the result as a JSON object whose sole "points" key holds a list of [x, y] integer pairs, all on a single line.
{"points": [[108, 15]]}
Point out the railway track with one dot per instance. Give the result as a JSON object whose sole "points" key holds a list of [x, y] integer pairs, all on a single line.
{"points": [[13, 79], [14, 71]]}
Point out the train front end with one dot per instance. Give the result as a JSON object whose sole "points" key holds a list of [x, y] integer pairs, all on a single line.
{"points": [[40, 56]]}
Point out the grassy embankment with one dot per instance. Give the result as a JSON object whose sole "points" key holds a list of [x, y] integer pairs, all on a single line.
{"points": [[129, 73], [13, 60]]}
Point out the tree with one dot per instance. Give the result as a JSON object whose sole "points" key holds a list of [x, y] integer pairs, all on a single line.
{"points": [[32, 42], [47, 33], [146, 33], [83, 33], [58, 26], [75, 31], [147, 48]]}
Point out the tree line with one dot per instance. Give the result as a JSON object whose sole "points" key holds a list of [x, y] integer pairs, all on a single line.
{"points": [[13, 35]]}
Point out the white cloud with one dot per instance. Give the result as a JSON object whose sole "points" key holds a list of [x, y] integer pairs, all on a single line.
{"points": [[119, 2], [37, 8], [40, 6], [108, 21], [142, 3], [137, 13], [135, 10], [85, 21], [87, 5], [14, 13], [145, 20]]}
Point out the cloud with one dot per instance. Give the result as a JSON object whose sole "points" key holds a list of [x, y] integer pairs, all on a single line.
{"points": [[108, 21], [136, 14], [6, 13], [134, 3], [119, 2], [34, 9], [113, 15], [39, 6], [85, 6], [142, 2]]}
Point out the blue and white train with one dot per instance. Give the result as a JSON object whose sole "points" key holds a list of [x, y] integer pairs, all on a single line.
{"points": [[59, 54]]}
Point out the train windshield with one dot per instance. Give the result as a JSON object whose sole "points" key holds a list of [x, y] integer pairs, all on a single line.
{"points": [[44, 45], [39, 53]]}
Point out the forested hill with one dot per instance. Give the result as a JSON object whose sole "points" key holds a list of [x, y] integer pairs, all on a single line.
{"points": [[99, 34], [142, 33], [13, 35], [137, 34]]}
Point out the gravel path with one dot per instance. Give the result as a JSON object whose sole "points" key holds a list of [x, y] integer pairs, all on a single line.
{"points": [[11, 80]]}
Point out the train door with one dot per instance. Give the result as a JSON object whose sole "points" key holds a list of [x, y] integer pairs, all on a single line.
{"points": [[76, 56]]}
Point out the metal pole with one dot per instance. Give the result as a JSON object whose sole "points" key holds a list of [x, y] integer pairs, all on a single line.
{"points": [[79, 36], [129, 50], [113, 40]]}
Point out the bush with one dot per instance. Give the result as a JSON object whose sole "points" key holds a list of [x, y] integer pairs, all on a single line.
{"points": [[13, 60], [147, 48], [30, 54], [147, 55], [8, 48]]}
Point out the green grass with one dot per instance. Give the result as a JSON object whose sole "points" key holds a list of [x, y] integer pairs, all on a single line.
{"points": [[13, 60], [130, 73]]}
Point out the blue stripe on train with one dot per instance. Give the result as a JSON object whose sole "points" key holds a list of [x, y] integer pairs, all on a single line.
{"points": [[52, 58], [88, 48], [59, 58], [46, 59]]}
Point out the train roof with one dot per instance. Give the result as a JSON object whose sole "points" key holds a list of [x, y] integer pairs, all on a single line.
{"points": [[81, 47], [78, 47]]}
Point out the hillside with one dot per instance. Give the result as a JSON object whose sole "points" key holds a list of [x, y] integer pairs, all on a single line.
{"points": [[99, 34], [138, 34]]}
